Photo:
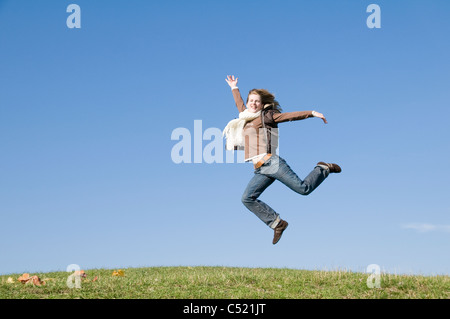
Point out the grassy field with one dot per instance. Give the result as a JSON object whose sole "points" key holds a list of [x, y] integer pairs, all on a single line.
{"points": [[224, 283]]}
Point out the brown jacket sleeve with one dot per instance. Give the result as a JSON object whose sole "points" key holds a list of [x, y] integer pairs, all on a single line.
{"points": [[291, 116], [238, 100]]}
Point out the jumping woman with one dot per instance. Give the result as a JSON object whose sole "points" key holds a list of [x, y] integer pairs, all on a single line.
{"points": [[256, 131]]}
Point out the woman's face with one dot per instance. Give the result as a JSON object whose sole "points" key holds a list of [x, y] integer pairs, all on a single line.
{"points": [[254, 103]]}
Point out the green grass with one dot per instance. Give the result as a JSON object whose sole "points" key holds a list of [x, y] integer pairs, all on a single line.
{"points": [[226, 283]]}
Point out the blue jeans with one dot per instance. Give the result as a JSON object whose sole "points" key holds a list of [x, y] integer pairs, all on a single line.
{"points": [[276, 168]]}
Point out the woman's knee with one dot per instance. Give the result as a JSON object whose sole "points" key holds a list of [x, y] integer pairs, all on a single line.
{"points": [[247, 199], [307, 191], [303, 190]]}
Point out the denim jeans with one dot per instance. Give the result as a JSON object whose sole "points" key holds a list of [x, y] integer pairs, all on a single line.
{"points": [[276, 168]]}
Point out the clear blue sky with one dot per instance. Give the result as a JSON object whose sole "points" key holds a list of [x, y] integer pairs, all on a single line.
{"points": [[86, 117]]}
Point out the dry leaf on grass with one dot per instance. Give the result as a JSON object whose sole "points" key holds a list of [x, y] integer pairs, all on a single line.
{"points": [[118, 273], [24, 278], [35, 280], [10, 280], [80, 273], [86, 280]]}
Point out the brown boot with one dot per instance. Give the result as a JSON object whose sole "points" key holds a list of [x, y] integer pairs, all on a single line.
{"points": [[278, 231], [334, 168]]}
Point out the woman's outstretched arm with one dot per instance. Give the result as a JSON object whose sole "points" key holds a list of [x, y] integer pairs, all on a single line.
{"points": [[296, 116], [232, 82]]}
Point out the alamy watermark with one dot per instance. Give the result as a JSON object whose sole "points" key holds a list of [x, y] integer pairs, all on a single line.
{"points": [[208, 146], [374, 19], [74, 19], [374, 280], [74, 280]]}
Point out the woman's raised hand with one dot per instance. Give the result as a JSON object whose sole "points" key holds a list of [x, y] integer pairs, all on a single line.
{"points": [[232, 82], [320, 115]]}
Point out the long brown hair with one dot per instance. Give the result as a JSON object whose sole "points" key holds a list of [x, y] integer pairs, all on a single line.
{"points": [[267, 99]]}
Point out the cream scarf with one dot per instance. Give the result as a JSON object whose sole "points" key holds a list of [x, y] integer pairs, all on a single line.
{"points": [[235, 129]]}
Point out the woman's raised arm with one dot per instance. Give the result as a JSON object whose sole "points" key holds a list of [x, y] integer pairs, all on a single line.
{"points": [[232, 82]]}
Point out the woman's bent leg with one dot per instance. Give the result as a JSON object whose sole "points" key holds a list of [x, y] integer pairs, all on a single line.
{"points": [[250, 199], [289, 178]]}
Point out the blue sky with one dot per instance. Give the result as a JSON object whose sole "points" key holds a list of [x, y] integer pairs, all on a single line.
{"points": [[86, 117]]}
